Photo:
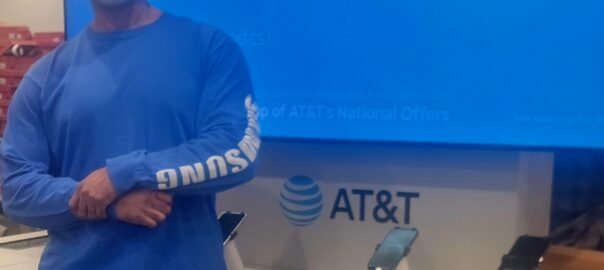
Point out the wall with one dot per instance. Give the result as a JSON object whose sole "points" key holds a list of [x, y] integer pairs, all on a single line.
{"points": [[472, 204], [39, 15]]}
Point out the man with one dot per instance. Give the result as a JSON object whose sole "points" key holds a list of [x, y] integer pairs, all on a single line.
{"points": [[118, 141]]}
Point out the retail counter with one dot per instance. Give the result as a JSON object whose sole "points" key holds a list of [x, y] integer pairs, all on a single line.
{"points": [[22, 251], [565, 258]]}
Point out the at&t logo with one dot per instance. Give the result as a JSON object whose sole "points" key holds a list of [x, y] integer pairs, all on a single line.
{"points": [[301, 200]]}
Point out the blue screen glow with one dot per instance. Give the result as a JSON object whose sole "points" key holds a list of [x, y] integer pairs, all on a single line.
{"points": [[514, 72]]}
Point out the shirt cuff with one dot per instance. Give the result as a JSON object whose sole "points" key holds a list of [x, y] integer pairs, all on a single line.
{"points": [[123, 171]]}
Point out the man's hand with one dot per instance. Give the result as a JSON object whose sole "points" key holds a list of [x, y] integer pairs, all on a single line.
{"points": [[144, 207], [93, 195]]}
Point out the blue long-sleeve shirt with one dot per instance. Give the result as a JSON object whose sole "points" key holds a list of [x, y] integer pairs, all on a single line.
{"points": [[168, 106]]}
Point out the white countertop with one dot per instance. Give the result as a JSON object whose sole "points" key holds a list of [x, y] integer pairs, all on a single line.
{"points": [[23, 259]]}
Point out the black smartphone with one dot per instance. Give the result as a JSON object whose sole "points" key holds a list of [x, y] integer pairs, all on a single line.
{"points": [[393, 249], [229, 223], [526, 254]]}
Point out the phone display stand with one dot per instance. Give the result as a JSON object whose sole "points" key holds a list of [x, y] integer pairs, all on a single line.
{"points": [[404, 265], [232, 257]]}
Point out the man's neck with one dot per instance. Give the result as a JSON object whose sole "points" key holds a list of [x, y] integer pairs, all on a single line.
{"points": [[139, 13]]}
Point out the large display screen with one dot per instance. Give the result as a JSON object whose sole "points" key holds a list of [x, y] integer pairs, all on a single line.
{"points": [[514, 72]]}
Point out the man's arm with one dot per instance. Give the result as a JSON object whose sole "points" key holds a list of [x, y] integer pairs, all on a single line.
{"points": [[223, 154], [30, 195]]}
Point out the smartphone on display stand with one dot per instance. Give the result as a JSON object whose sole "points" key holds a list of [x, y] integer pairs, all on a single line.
{"points": [[393, 249], [526, 253], [229, 223]]}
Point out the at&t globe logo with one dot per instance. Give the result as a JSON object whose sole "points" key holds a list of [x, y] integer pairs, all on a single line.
{"points": [[301, 200]]}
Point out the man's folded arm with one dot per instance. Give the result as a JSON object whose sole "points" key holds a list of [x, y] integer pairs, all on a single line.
{"points": [[30, 195], [223, 154]]}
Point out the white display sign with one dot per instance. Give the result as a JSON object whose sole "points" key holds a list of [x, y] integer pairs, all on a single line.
{"points": [[318, 207]]}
